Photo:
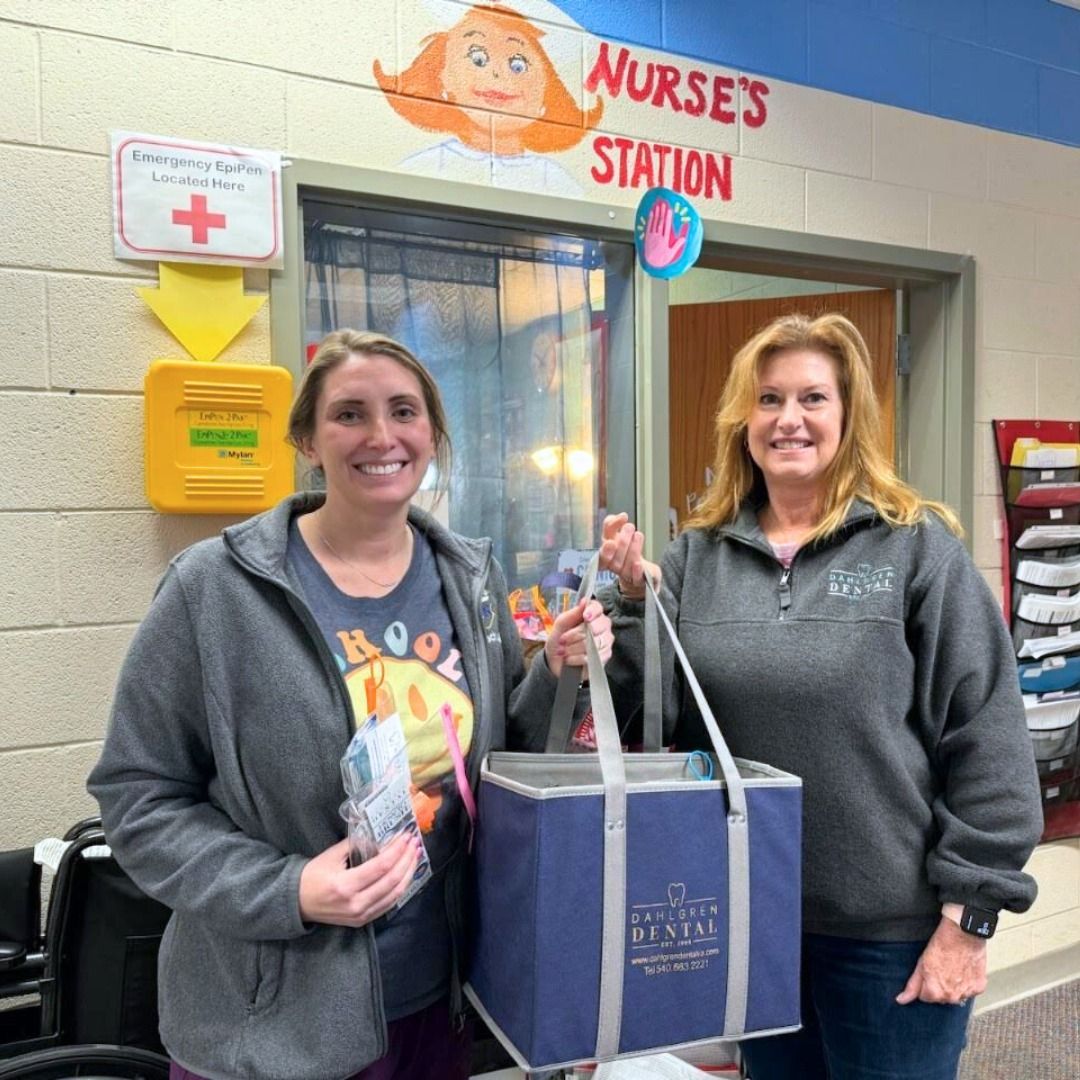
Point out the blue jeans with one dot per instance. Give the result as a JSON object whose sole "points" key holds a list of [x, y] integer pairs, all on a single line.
{"points": [[852, 1027]]}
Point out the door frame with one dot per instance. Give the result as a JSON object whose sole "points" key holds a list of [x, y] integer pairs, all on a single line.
{"points": [[939, 426]]}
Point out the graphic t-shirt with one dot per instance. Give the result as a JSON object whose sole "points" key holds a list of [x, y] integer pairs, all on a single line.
{"points": [[410, 631]]}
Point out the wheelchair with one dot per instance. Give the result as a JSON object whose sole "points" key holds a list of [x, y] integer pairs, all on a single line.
{"points": [[80, 999]]}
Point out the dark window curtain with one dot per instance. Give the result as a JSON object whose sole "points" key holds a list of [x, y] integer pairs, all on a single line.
{"points": [[505, 329]]}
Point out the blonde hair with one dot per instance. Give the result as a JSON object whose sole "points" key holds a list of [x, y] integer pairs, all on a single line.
{"points": [[860, 470], [334, 350]]}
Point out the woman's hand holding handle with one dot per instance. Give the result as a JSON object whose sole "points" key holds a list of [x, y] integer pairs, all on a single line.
{"points": [[566, 642], [621, 552]]}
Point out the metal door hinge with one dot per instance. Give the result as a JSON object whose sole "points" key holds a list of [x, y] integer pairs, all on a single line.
{"points": [[903, 354]]}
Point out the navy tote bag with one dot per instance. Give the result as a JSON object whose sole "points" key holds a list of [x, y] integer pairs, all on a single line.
{"points": [[625, 905]]}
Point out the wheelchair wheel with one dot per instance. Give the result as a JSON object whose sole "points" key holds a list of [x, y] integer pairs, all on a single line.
{"points": [[87, 1063]]}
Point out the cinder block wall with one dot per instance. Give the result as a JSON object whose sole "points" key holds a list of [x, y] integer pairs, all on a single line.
{"points": [[79, 549]]}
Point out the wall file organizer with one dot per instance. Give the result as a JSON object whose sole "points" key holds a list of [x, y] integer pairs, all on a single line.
{"points": [[1039, 462]]}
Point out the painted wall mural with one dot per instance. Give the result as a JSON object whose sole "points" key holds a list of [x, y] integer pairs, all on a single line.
{"points": [[514, 104], [488, 84]]}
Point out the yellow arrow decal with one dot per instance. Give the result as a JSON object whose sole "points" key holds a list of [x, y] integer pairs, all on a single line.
{"points": [[203, 307]]}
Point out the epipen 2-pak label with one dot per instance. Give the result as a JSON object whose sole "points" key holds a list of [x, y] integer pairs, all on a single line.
{"points": [[222, 428]]}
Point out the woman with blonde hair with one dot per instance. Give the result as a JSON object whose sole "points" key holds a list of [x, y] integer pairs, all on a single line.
{"points": [[841, 632]]}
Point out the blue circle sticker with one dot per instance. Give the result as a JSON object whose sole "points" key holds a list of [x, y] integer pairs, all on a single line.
{"points": [[667, 233]]}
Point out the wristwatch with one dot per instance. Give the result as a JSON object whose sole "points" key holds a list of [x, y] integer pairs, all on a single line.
{"points": [[972, 920]]}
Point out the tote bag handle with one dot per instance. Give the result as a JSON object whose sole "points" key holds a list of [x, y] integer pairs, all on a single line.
{"points": [[613, 774]]}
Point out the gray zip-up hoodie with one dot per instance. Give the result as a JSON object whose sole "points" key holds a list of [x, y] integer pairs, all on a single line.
{"points": [[219, 779], [878, 669]]}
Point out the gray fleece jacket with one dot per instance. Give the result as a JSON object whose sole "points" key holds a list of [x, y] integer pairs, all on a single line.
{"points": [[219, 779], [879, 670]]}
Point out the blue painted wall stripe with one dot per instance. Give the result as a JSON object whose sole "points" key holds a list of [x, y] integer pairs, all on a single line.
{"points": [[1041, 31], [865, 57], [771, 34], [962, 20], [1059, 114], [1013, 65], [983, 87]]}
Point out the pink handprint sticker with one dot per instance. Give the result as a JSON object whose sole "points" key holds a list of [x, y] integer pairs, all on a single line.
{"points": [[668, 234], [663, 245]]}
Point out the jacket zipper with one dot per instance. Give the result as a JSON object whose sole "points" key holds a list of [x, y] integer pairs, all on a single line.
{"points": [[480, 641], [784, 588], [785, 592], [472, 772]]}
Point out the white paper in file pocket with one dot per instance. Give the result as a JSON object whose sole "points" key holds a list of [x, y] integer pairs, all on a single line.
{"points": [[1049, 610], [1052, 711], [1052, 725], [1037, 648], [1048, 536], [1049, 573]]}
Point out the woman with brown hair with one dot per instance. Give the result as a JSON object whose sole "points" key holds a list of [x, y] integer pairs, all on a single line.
{"points": [[842, 633], [219, 782]]}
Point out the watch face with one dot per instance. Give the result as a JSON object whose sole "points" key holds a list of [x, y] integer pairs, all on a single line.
{"points": [[978, 922]]}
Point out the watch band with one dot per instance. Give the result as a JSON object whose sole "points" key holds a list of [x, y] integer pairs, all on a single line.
{"points": [[972, 920], [953, 912]]}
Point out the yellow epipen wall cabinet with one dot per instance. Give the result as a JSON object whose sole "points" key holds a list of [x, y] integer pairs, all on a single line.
{"points": [[215, 437]]}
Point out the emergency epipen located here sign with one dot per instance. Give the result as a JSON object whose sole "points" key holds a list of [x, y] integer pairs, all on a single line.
{"points": [[187, 201], [215, 437]]}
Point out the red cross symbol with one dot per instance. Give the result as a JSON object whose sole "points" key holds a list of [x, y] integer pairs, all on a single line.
{"points": [[199, 220]]}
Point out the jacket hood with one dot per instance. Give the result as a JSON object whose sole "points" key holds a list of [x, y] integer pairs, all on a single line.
{"points": [[261, 542]]}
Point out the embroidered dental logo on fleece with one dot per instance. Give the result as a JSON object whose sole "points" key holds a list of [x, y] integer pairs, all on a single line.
{"points": [[863, 581]]}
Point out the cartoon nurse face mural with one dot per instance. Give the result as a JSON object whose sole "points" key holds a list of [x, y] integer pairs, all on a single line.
{"points": [[489, 84]]}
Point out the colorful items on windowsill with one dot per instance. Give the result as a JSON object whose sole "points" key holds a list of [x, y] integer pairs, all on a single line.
{"points": [[531, 615], [531, 610]]}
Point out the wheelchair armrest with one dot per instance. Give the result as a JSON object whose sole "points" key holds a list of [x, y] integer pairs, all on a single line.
{"points": [[12, 954]]}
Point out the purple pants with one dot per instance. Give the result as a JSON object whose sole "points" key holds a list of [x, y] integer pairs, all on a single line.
{"points": [[423, 1046]]}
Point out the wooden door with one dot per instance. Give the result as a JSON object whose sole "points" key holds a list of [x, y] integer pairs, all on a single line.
{"points": [[703, 339]]}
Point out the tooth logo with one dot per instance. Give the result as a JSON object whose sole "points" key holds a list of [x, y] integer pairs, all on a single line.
{"points": [[676, 893]]}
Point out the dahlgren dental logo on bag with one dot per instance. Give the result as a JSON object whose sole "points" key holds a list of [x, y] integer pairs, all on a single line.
{"points": [[675, 934], [863, 581]]}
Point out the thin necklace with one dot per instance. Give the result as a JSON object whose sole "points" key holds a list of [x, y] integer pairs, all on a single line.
{"points": [[356, 566]]}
